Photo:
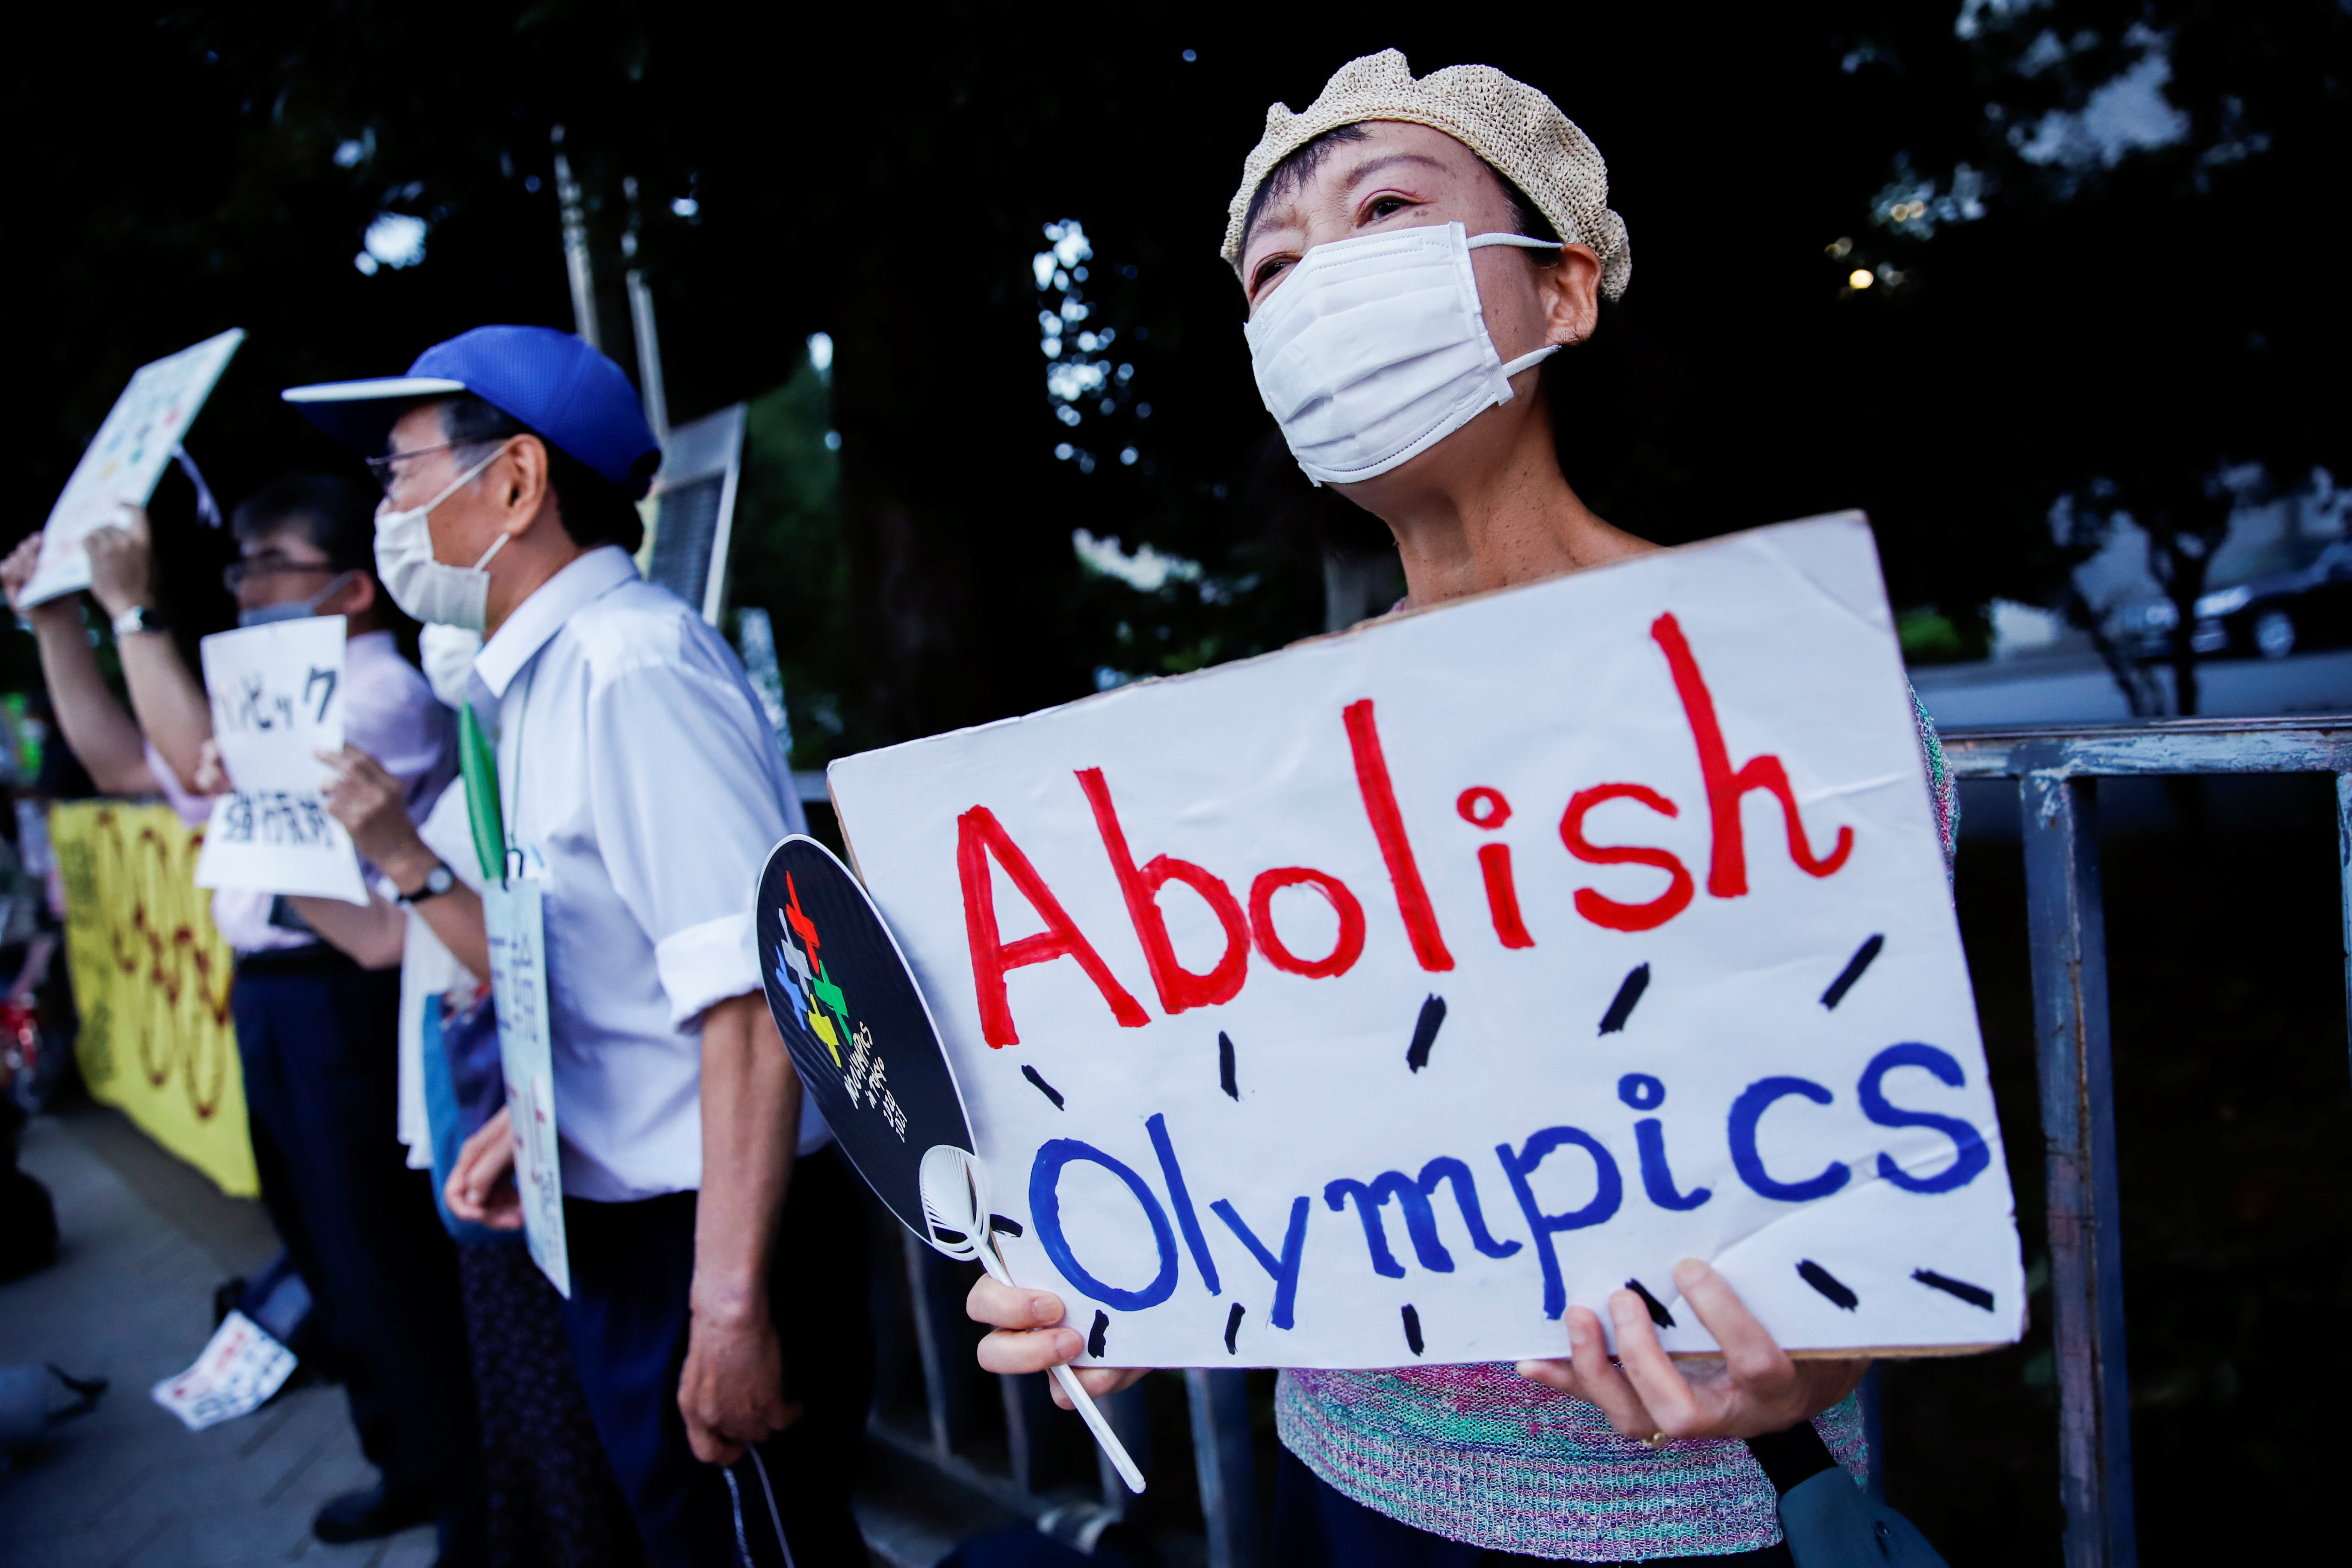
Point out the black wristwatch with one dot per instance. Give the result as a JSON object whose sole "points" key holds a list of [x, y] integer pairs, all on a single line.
{"points": [[140, 619], [437, 881]]}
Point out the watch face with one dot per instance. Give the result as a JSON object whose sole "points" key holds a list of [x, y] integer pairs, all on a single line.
{"points": [[440, 879]]}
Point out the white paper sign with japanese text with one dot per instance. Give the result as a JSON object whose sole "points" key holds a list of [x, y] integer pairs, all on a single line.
{"points": [[1370, 1002], [125, 458], [276, 701], [515, 923]]}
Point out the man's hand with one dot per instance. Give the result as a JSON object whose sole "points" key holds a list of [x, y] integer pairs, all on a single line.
{"points": [[1753, 1390], [212, 774], [481, 1186], [1030, 1337], [122, 563], [732, 1391], [374, 809]]}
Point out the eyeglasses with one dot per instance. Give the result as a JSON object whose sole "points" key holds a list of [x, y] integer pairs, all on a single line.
{"points": [[387, 476], [237, 575]]}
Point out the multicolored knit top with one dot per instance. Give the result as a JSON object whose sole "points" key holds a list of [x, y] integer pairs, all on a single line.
{"points": [[1482, 1455]]}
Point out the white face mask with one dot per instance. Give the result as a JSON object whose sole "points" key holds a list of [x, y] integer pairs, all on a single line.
{"points": [[1374, 350], [447, 653], [293, 609], [422, 587]]}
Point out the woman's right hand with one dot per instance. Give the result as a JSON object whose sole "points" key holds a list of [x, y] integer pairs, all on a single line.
{"points": [[481, 1185], [1030, 1337], [17, 569]]}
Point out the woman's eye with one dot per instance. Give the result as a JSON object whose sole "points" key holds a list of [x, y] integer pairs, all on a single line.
{"points": [[1385, 207], [1268, 270]]}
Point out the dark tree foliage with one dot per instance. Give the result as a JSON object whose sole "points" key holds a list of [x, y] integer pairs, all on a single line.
{"points": [[2117, 327]]}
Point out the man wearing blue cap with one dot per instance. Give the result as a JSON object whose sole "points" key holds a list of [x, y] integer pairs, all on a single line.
{"points": [[639, 785]]}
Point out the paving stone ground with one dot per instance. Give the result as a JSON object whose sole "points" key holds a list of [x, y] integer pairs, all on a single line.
{"points": [[145, 1239], [144, 1242]]}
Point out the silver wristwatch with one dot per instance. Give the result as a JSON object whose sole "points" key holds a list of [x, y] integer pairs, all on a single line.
{"points": [[139, 618]]}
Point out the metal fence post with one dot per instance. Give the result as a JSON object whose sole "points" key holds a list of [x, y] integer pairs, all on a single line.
{"points": [[2343, 856], [1227, 1470], [931, 1343], [2068, 932]]}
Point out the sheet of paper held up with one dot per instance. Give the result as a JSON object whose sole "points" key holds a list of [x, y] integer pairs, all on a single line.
{"points": [[1368, 1002], [126, 457], [276, 700]]}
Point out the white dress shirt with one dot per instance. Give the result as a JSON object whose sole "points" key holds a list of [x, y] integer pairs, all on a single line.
{"points": [[428, 970], [641, 774], [390, 714]]}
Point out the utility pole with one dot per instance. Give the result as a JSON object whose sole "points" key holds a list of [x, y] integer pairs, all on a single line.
{"points": [[575, 248], [649, 370]]}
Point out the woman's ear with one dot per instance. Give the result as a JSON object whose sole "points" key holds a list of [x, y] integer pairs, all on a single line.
{"points": [[1570, 290]]}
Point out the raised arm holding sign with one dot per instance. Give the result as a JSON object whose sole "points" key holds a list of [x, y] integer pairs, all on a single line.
{"points": [[124, 460]]}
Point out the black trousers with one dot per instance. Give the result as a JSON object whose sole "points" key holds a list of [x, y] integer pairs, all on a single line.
{"points": [[317, 1038], [632, 1265]]}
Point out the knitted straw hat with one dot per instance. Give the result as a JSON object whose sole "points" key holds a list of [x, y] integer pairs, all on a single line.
{"points": [[1513, 127]]}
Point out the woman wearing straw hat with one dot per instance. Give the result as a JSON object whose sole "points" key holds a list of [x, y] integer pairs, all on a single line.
{"points": [[1413, 252]]}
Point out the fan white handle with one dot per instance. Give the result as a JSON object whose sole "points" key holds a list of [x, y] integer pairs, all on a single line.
{"points": [[1080, 1400], [1099, 1425]]}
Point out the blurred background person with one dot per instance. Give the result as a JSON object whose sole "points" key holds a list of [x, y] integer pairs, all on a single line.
{"points": [[316, 1030]]}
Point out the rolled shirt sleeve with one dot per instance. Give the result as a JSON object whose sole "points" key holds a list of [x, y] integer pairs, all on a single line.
{"points": [[689, 793]]}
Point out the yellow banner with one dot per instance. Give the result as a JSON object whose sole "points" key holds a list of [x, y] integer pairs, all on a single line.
{"points": [[150, 977]]}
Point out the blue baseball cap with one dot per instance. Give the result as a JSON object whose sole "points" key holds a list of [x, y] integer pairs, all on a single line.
{"points": [[569, 393]]}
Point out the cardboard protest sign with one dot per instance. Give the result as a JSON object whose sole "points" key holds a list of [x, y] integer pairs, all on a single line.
{"points": [[1371, 1001], [277, 701], [860, 1035], [125, 458]]}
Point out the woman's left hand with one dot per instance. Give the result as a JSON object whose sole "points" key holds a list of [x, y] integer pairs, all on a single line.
{"points": [[1753, 1390]]}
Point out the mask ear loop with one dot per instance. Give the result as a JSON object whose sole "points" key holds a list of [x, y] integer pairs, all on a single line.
{"points": [[1524, 242]]}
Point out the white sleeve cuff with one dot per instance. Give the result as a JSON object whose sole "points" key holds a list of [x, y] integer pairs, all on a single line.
{"points": [[705, 964]]}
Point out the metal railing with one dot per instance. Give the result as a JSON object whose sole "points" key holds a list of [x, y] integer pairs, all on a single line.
{"points": [[2055, 770]]}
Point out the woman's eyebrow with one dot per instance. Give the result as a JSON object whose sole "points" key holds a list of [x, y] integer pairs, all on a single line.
{"points": [[1374, 165]]}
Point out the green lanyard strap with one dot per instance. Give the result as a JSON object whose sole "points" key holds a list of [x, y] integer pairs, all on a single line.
{"points": [[478, 763]]}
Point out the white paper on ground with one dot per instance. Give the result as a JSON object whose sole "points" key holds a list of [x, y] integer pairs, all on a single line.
{"points": [[1612, 1033], [123, 460], [514, 919], [240, 1368], [276, 702]]}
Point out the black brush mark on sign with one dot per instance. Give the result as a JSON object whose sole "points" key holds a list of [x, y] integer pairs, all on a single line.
{"points": [[1658, 1313], [1047, 1089], [1828, 1284], [1628, 993], [1413, 1329], [997, 1222], [1425, 1033], [1851, 972], [1100, 1332], [1974, 1295], [1225, 1066], [1233, 1326]]}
